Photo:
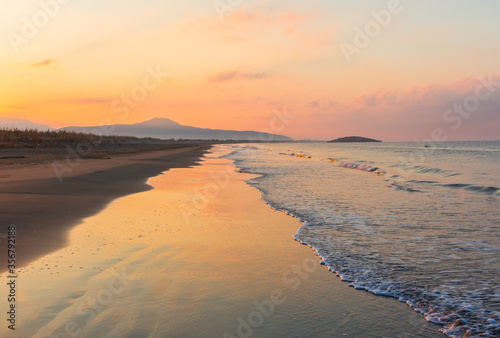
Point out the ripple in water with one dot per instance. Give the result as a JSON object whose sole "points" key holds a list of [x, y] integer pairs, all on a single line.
{"points": [[425, 233]]}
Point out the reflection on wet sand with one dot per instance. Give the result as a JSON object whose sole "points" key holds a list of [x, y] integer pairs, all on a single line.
{"points": [[200, 255]]}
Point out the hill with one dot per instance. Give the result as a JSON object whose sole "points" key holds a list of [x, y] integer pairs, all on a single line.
{"points": [[353, 139], [15, 123], [164, 128]]}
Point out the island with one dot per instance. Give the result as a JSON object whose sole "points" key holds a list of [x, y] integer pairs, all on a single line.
{"points": [[354, 139]]}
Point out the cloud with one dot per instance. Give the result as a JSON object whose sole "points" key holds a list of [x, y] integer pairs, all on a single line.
{"points": [[256, 75], [237, 75], [263, 15], [416, 112], [322, 104], [94, 100], [46, 64], [261, 21]]}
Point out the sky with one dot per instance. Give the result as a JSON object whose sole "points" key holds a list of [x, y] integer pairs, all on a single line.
{"points": [[392, 70]]}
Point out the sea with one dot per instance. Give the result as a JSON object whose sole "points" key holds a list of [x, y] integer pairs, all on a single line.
{"points": [[414, 221]]}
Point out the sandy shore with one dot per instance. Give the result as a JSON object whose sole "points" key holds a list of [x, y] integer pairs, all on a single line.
{"points": [[199, 256], [44, 207]]}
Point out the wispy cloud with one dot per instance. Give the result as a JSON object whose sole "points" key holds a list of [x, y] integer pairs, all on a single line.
{"points": [[265, 21], [94, 100], [46, 64], [238, 75], [413, 113], [322, 104], [263, 15]]}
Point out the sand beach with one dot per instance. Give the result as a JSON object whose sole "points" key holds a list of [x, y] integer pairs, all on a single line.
{"points": [[200, 255]]}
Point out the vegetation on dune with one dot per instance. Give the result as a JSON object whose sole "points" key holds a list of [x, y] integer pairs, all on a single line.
{"points": [[35, 138]]}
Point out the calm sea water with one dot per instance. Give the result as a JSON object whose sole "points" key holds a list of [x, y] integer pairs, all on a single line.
{"points": [[423, 228]]}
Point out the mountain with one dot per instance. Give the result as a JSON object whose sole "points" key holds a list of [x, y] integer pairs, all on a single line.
{"points": [[164, 128], [354, 139], [13, 122]]}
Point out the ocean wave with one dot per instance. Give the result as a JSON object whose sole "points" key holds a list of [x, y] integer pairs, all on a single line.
{"points": [[462, 299], [426, 170], [400, 186], [363, 167], [472, 187], [490, 190]]}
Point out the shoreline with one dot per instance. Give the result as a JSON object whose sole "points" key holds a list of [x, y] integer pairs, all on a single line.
{"points": [[337, 275], [199, 255], [44, 208]]}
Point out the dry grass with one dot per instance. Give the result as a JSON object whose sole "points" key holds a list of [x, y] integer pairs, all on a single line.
{"points": [[32, 138]]}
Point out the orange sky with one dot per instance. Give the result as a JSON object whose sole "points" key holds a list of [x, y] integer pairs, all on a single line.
{"points": [[90, 63]]}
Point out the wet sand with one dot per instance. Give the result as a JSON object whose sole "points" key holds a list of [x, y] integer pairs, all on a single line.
{"points": [[44, 208], [199, 256]]}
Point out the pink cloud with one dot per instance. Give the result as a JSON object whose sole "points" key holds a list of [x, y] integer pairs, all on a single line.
{"points": [[241, 24], [415, 113], [46, 64], [95, 100], [235, 74]]}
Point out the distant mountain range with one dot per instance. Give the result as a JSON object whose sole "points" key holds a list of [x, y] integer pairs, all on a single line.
{"points": [[15, 123], [164, 128], [161, 128]]}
